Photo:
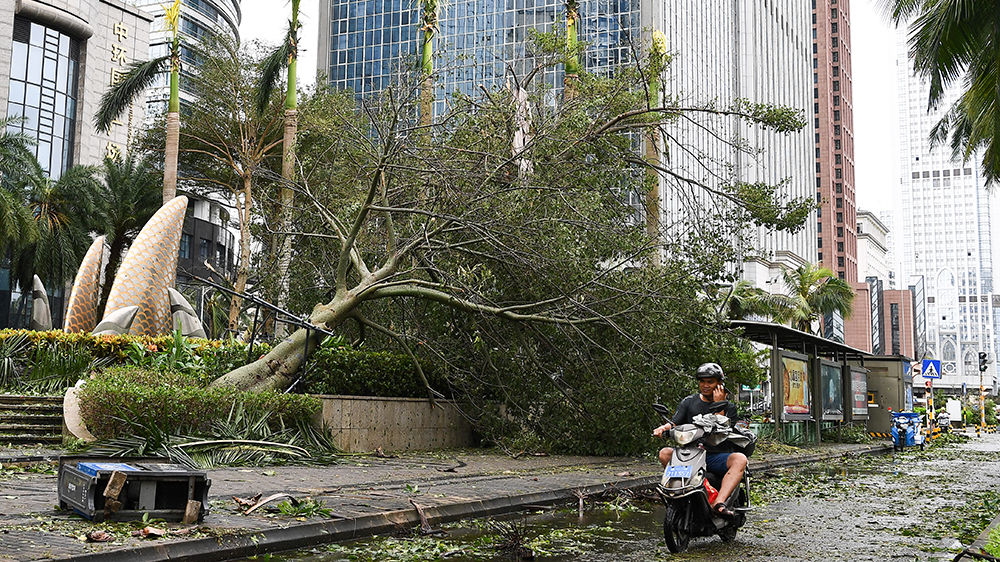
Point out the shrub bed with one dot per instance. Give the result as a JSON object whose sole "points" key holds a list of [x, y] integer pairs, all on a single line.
{"points": [[341, 370], [125, 400]]}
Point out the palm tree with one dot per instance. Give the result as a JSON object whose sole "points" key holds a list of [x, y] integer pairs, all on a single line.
{"points": [[17, 227], [812, 291], [61, 210], [952, 40], [658, 59], [140, 76], [572, 65], [130, 195], [428, 29], [285, 56]]}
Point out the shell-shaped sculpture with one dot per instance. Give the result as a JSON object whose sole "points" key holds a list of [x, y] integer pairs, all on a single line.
{"points": [[184, 317], [118, 322], [148, 268], [81, 313], [41, 314]]}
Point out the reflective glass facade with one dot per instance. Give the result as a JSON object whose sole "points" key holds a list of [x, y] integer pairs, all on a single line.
{"points": [[43, 84], [372, 42]]}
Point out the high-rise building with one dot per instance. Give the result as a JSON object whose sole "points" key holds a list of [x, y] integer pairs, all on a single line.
{"points": [[873, 253], [721, 50], [833, 117], [58, 57], [946, 236]]}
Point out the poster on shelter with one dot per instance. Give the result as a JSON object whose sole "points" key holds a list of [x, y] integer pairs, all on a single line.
{"points": [[859, 388], [830, 390], [795, 381]]}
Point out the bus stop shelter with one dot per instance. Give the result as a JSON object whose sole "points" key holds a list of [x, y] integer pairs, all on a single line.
{"points": [[813, 379]]}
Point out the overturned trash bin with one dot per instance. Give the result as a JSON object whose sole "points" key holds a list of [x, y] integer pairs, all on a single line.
{"points": [[125, 489]]}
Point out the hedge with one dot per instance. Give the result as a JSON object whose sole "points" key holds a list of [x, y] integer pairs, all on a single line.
{"points": [[121, 400], [341, 370]]}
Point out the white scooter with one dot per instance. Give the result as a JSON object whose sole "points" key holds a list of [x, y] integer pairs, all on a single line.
{"points": [[683, 490]]}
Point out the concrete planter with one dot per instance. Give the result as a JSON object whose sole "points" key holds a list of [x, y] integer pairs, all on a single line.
{"points": [[363, 423]]}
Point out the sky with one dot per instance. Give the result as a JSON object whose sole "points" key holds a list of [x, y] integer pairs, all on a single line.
{"points": [[873, 46]]}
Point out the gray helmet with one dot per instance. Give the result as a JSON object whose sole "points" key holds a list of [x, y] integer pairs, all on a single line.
{"points": [[710, 371]]}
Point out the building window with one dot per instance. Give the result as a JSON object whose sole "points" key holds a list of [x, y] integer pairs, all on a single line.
{"points": [[837, 159], [836, 56], [185, 252], [836, 100], [833, 27], [815, 108], [220, 255], [839, 173], [840, 246], [203, 250], [840, 261], [833, 13], [840, 274], [816, 94], [840, 218], [836, 85], [836, 71], [819, 227], [840, 202], [834, 42], [839, 188], [836, 115], [817, 167], [819, 242], [44, 70], [820, 256], [836, 144], [840, 232], [836, 129]]}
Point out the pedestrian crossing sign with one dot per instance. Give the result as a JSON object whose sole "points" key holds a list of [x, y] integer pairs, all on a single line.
{"points": [[931, 369]]}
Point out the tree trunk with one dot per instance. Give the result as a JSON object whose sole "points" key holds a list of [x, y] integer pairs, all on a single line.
{"points": [[276, 370], [171, 150], [243, 271], [653, 197], [114, 260], [286, 204]]}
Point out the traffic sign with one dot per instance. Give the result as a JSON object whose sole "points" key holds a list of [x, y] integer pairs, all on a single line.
{"points": [[931, 369]]}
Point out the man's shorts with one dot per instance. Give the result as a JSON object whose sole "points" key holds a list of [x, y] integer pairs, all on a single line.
{"points": [[716, 463]]}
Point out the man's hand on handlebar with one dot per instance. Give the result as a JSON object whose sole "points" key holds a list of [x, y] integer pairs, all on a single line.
{"points": [[660, 431]]}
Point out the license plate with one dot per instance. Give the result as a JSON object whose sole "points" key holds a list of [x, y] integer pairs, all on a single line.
{"points": [[677, 472]]}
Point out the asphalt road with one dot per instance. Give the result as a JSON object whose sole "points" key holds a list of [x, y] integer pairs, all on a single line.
{"points": [[911, 506]]}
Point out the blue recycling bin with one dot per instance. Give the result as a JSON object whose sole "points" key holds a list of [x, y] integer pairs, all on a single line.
{"points": [[906, 430]]}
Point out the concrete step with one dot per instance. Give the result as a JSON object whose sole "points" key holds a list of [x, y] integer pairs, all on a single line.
{"points": [[54, 408], [38, 419], [24, 399], [27, 438]]}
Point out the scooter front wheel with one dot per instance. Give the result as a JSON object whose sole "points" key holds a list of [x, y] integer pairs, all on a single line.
{"points": [[675, 530]]}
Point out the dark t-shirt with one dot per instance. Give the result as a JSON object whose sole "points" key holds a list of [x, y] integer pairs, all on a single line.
{"points": [[692, 406]]}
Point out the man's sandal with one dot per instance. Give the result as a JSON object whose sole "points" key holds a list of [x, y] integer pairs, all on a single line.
{"points": [[722, 510]]}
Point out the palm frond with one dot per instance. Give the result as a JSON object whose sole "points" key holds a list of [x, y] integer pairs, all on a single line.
{"points": [[270, 73], [115, 101]]}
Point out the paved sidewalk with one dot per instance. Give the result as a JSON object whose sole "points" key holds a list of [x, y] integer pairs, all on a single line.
{"points": [[367, 496]]}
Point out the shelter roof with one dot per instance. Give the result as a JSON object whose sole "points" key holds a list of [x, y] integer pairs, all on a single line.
{"points": [[788, 338]]}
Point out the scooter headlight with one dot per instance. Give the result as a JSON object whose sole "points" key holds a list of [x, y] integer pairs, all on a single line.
{"points": [[684, 437]]}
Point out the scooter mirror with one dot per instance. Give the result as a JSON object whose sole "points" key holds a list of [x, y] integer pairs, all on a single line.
{"points": [[662, 410]]}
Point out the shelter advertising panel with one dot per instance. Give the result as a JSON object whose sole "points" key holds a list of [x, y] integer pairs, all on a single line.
{"points": [[859, 392], [830, 391], [795, 386]]}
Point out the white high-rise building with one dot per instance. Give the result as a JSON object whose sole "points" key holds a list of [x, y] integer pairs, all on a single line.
{"points": [[722, 50], [945, 234]]}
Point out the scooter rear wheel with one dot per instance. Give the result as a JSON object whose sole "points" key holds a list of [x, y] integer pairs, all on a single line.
{"points": [[675, 531]]}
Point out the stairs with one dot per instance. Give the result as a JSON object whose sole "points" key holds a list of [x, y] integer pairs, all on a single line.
{"points": [[30, 419]]}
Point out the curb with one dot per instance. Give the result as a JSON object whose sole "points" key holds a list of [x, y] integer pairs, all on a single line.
{"points": [[257, 543]]}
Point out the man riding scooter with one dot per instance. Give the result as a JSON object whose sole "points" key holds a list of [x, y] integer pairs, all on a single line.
{"points": [[721, 460]]}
